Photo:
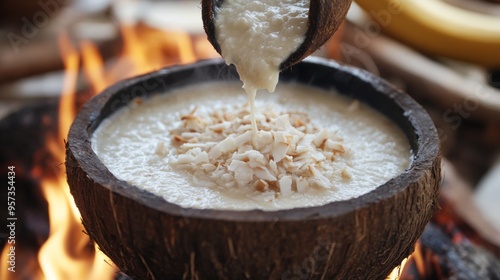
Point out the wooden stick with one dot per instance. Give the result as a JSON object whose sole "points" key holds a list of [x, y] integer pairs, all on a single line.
{"points": [[427, 77], [42, 56]]}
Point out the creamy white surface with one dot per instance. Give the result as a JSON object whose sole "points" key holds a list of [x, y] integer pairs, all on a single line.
{"points": [[257, 36], [128, 142]]}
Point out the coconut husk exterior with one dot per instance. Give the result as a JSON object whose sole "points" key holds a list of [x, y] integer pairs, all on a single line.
{"points": [[361, 238]]}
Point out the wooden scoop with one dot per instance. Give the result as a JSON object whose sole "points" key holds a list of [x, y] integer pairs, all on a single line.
{"points": [[325, 17]]}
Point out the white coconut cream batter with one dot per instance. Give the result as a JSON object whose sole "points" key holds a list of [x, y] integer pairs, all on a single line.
{"points": [[139, 145], [257, 36]]}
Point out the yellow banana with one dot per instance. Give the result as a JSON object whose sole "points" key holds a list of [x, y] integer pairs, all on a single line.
{"points": [[438, 28]]}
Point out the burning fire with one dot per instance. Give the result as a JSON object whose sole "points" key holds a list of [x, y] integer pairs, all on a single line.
{"points": [[401, 272], [144, 50], [68, 252]]}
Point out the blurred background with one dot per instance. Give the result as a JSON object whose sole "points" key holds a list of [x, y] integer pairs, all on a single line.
{"points": [[56, 54]]}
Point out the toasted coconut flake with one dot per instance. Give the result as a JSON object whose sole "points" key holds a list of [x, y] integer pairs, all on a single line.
{"points": [[320, 138], [264, 174], [227, 145], [228, 116], [306, 140], [281, 170], [201, 158], [242, 172], [227, 178], [285, 184], [219, 127], [261, 185], [319, 178], [244, 128], [243, 138], [267, 150], [297, 122], [179, 139], [334, 146], [279, 151], [273, 166], [183, 159], [243, 178], [288, 154], [329, 156], [302, 184], [279, 137], [161, 149], [194, 110], [283, 122], [290, 166], [245, 148], [254, 158], [345, 173], [188, 135], [317, 156], [189, 117], [208, 167], [215, 152], [237, 165], [196, 145]]}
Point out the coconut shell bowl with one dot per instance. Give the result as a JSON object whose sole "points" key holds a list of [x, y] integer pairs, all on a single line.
{"points": [[361, 238]]}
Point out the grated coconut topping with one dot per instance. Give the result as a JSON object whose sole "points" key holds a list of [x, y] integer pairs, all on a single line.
{"points": [[287, 154]]}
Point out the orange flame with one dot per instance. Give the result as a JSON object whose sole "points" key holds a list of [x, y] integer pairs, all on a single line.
{"points": [[93, 66], [68, 252], [397, 272], [146, 49], [401, 272], [419, 259]]}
